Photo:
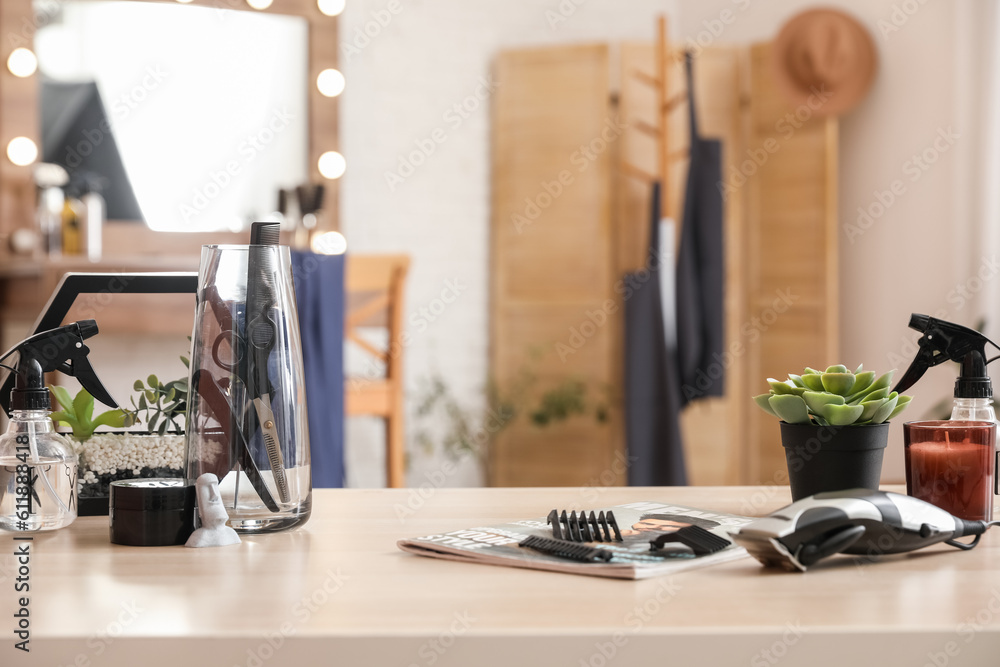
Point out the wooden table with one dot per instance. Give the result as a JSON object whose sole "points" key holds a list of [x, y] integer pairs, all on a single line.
{"points": [[338, 592]]}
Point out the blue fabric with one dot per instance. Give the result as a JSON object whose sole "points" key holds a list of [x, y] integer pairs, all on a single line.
{"points": [[319, 293]]}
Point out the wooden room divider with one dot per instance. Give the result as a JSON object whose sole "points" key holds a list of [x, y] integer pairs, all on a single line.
{"points": [[579, 133]]}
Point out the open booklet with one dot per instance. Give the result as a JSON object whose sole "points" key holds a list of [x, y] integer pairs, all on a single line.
{"points": [[639, 522]]}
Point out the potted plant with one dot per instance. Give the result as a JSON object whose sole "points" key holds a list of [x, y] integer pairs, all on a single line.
{"points": [[834, 426], [116, 455]]}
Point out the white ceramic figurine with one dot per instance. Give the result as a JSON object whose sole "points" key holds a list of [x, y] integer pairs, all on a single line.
{"points": [[213, 532]]}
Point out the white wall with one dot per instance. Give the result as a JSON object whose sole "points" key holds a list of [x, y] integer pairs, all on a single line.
{"points": [[919, 254], [432, 55], [429, 56]]}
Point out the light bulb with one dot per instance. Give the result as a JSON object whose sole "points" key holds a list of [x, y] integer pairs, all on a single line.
{"points": [[329, 243], [332, 165], [330, 82], [260, 4], [331, 7], [22, 151], [22, 62]]}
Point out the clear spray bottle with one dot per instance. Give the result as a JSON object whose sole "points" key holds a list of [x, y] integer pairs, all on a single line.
{"points": [[38, 466]]}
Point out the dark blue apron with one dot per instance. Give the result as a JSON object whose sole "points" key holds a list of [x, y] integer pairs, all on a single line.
{"points": [[701, 268], [660, 380]]}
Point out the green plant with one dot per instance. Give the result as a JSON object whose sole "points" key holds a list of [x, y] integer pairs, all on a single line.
{"points": [[468, 429], [834, 397], [78, 413], [162, 404]]}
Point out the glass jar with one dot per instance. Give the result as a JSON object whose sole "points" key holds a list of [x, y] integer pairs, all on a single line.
{"points": [[39, 470], [246, 413], [950, 464]]}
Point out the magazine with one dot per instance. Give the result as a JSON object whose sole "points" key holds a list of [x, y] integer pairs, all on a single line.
{"points": [[639, 523]]}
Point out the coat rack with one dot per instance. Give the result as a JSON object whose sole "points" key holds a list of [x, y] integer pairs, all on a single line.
{"points": [[666, 153]]}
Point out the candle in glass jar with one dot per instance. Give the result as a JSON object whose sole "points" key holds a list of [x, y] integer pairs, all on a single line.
{"points": [[950, 464]]}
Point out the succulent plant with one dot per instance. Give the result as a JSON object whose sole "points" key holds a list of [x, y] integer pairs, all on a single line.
{"points": [[834, 397], [78, 413]]}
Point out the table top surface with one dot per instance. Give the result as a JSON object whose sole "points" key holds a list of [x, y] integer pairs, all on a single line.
{"points": [[341, 575]]}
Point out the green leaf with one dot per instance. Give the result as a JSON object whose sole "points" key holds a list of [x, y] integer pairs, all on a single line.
{"points": [[811, 371], [839, 368], [180, 385], [841, 415], [816, 400], [883, 382], [171, 394], [862, 381], [112, 418], [813, 381], [901, 405], [762, 403], [885, 409], [63, 398], [137, 386], [64, 417], [186, 362], [785, 387], [860, 368], [797, 380], [153, 381], [790, 408], [83, 406], [150, 396], [163, 427], [877, 395], [142, 402], [869, 408], [838, 383]]}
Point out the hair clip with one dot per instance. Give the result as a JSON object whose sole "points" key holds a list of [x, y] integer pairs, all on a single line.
{"points": [[702, 542]]}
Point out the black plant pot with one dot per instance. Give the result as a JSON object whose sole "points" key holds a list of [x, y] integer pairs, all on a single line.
{"points": [[833, 458]]}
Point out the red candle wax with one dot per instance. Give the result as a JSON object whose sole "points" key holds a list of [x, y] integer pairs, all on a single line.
{"points": [[950, 464]]}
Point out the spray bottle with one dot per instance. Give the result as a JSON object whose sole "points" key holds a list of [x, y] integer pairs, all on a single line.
{"points": [[954, 464], [38, 467]]}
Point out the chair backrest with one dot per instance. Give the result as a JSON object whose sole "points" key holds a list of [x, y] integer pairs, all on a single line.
{"points": [[374, 286]]}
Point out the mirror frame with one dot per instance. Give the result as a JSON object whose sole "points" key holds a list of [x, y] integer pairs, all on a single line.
{"points": [[19, 109]]}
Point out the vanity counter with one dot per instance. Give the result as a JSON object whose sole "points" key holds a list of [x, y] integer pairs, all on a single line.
{"points": [[338, 591]]}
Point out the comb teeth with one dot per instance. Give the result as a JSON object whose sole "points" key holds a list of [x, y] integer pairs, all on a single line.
{"points": [[265, 233], [702, 542], [565, 549], [583, 528]]}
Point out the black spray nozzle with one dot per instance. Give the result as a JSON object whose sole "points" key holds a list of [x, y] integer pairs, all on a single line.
{"points": [[945, 341], [62, 350]]}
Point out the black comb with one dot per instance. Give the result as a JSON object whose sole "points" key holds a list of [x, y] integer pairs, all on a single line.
{"points": [[265, 233], [701, 541], [582, 528], [568, 550]]}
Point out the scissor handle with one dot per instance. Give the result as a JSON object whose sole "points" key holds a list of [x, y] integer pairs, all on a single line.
{"points": [[236, 346]]}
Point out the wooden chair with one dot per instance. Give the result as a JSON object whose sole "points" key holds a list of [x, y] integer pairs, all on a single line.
{"points": [[374, 286]]}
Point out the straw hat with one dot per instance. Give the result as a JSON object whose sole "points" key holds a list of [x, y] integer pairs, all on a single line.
{"points": [[824, 50]]}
